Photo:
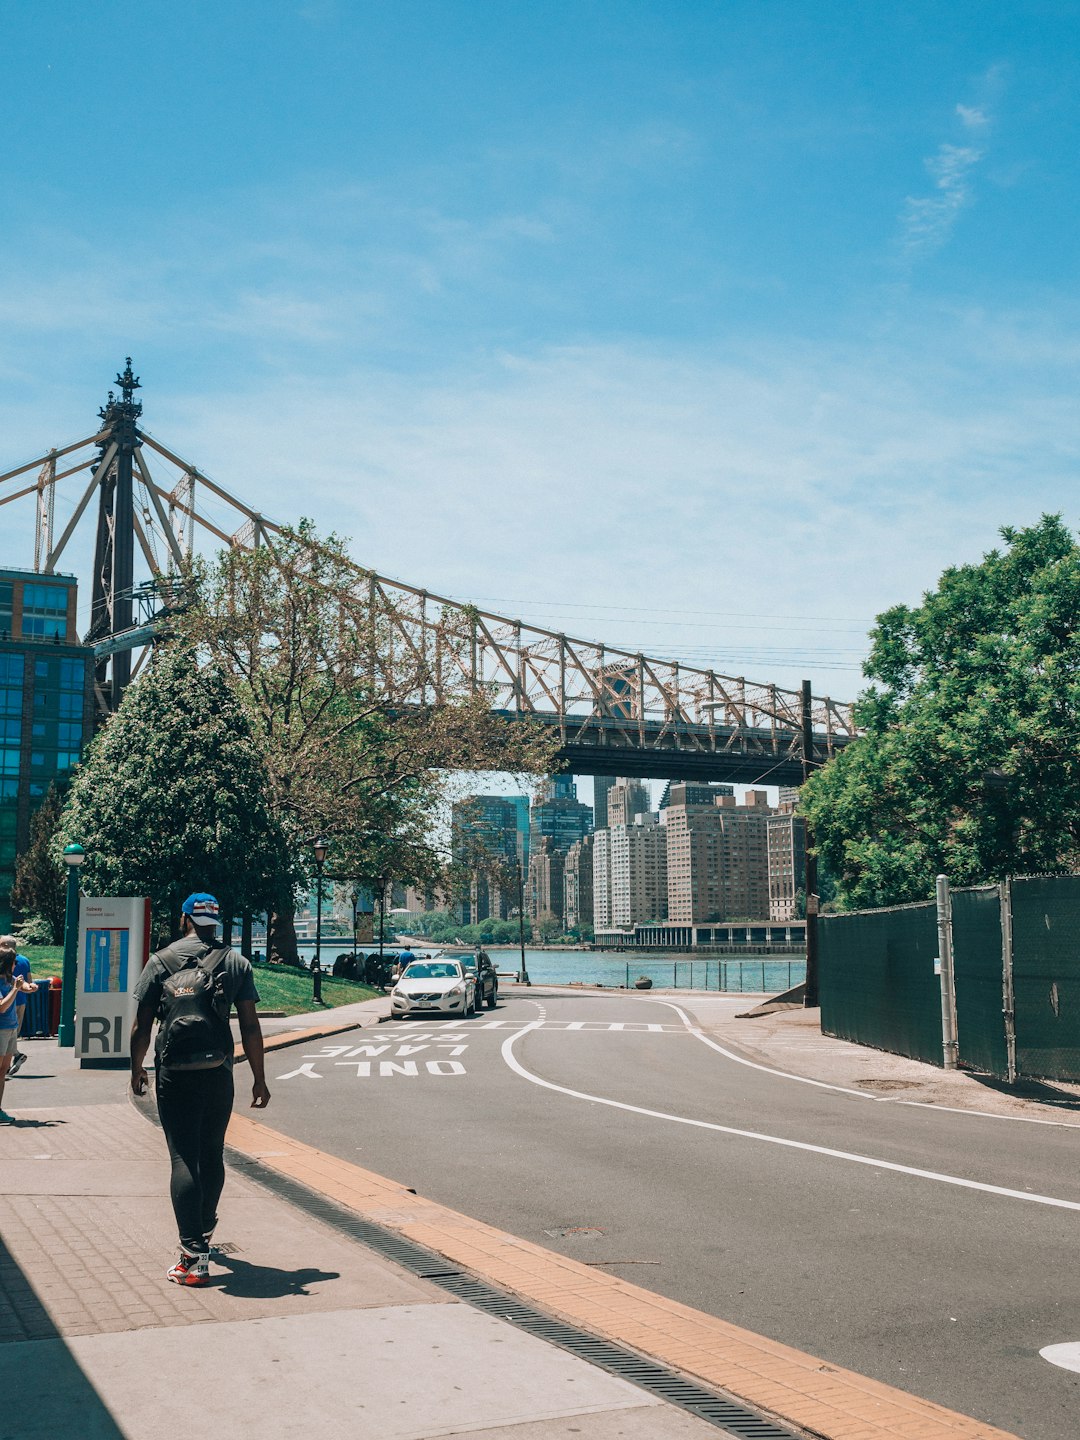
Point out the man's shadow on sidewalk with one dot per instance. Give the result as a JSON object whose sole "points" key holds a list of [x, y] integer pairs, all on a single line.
{"points": [[15, 1123], [266, 1282]]}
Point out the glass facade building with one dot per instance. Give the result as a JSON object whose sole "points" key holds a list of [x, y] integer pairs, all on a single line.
{"points": [[46, 704]]}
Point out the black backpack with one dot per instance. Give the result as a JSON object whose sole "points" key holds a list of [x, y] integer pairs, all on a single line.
{"points": [[193, 1011]]}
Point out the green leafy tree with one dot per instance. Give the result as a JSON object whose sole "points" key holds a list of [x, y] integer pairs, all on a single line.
{"points": [[173, 796], [548, 927], [39, 890], [969, 764], [359, 714]]}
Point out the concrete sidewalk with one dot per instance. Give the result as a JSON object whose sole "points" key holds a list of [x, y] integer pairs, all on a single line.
{"points": [[304, 1329]]}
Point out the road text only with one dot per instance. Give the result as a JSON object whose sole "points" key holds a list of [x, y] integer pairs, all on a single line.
{"points": [[386, 1060]]}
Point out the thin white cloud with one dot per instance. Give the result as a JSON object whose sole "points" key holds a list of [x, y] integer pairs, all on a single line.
{"points": [[973, 117], [928, 220]]}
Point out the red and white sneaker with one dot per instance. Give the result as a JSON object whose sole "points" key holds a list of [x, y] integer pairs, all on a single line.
{"points": [[190, 1269]]}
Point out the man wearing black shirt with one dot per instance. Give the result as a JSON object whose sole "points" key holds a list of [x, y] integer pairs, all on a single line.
{"points": [[194, 1105]]}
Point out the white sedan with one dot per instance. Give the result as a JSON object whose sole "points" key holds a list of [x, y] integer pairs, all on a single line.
{"points": [[433, 985]]}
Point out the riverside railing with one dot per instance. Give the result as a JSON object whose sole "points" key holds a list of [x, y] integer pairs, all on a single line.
{"points": [[738, 976]]}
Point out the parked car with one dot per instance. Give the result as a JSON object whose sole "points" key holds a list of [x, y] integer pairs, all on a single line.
{"points": [[427, 986], [478, 964]]}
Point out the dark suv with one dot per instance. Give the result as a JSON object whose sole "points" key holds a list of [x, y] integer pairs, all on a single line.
{"points": [[479, 965]]}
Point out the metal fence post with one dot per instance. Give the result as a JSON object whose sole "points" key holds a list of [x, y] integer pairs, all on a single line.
{"points": [[949, 1044], [1008, 999]]}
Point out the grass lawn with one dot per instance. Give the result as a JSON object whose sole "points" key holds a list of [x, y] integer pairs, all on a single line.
{"points": [[283, 988], [44, 959]]}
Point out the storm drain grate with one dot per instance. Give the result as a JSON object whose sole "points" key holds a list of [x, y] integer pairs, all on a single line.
{"points": [[656, 1379]]}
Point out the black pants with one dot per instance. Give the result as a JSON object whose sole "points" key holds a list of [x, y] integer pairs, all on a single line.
{"points": [[194, 1108]]}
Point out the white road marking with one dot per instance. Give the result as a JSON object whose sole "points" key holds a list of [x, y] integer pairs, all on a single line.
{"points": [[753, 1065], [853, 1158], [307, 1070], [845, 1090], [986, 1114], [1066, 1356]]}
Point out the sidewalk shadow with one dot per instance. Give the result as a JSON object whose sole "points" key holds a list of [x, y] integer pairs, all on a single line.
{"points": [[266, 1282], [63, 1390], [1039, 1090], [14, 1123]]}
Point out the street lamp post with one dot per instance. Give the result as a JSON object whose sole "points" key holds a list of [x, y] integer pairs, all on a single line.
{"points": [[382, 918], [523, 974], [319, 847], [74, 855]]}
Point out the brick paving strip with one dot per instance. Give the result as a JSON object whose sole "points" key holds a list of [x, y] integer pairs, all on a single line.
{"points": [[834, 1403]]}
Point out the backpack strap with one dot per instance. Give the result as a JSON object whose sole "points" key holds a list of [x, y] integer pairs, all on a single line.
{"points": [[220, 955], [174, 963]]}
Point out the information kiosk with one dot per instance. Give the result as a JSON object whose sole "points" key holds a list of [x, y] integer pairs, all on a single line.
{"points": [[114, 945]]}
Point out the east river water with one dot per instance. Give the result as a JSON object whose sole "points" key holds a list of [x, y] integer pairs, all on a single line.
{"points": [[753, 974]]}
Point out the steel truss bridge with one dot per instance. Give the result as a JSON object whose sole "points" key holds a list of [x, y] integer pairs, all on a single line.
{"points": [[617, 712]]}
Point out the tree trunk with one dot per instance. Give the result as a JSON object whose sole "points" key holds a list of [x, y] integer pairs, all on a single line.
{"points": [[281, 940]]}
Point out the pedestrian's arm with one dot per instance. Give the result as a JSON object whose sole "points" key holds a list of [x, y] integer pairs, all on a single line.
{"points": [[252, 1041], [8, 1000], [140, 1043]]}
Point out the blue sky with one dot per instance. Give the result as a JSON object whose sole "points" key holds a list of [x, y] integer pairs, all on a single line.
{"points": [[710, 329]]}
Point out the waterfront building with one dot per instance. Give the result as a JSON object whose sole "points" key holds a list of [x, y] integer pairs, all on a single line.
{"points": [[578, 883], [558, 814], [638, 870], [717, 855], [545, 893], [728, 939], [485, 851], [561, 819], [786, 848], [693, 792], [521, 808], [601, 857], [626, 800], [601, 790], [46, 704]]}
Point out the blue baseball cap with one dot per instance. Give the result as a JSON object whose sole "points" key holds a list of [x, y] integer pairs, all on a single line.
{"points": [[201, 909]]}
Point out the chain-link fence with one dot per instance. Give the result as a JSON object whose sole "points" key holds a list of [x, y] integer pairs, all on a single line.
{"points": [[1016, 967]]}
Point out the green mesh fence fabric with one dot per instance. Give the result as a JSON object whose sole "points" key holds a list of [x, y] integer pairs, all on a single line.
{"points": [[877, 983], [980, 1027], [1046, 976]]}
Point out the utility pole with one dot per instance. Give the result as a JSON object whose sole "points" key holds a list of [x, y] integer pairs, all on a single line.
{"points": [[810, 998], [523, 974], [949, 1046]]}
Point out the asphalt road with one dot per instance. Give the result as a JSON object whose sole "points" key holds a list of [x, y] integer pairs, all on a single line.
{"points": [[744, 1193]]}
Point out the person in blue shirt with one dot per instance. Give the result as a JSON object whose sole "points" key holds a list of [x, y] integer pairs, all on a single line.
{"points": [[22, 967], [11, 987]]}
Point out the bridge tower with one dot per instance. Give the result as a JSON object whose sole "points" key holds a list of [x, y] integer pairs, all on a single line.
{"points": [[114, 547]]}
